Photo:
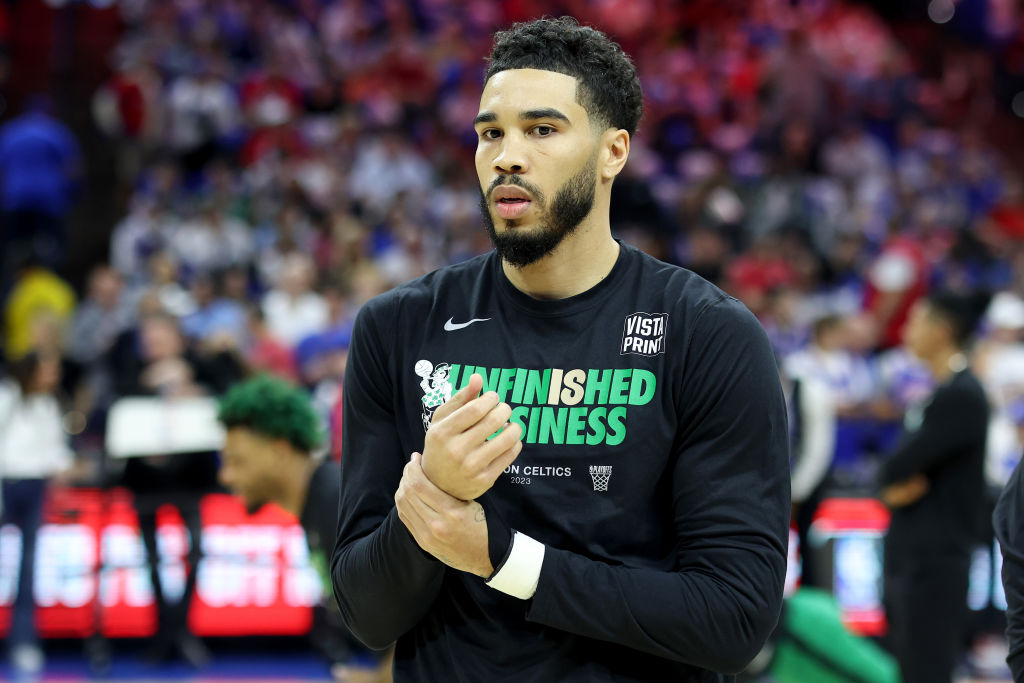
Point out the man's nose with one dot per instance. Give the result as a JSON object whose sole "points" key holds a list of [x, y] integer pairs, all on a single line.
{"points": [[511, 156]]}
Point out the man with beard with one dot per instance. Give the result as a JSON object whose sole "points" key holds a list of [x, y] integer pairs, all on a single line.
{"points": [[614, 505], [271, 432]]}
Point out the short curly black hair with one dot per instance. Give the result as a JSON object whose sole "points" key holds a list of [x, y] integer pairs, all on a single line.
{"points": [[609, 88], [274, 408]]}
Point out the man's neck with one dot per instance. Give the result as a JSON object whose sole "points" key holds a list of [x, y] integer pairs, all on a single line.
{"points": [[582, 260], [296, 486], [945, 363]]}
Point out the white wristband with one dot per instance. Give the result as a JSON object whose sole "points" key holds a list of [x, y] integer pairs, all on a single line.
{"points": [[520, 574]]}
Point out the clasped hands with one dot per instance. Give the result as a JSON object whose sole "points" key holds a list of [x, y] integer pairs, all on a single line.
{"points": [[436, 498], [906, 492]]}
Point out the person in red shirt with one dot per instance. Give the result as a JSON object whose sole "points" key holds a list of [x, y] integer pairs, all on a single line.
{"points": [[896, 280]]}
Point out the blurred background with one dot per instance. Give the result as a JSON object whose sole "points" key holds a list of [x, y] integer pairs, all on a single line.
{"points": [[194, 191]]}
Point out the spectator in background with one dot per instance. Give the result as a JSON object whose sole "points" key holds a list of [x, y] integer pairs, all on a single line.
{"points": [[812, 429], [39, 165], [833, 359], [166, 366], [783, 322], [293, 310], [896, 279], [829, 360], [322, 359], [759, 271], [799, 83], [999, 359], [270, 102], [33, 450], [857, 159], [158, 361], [212, 240], [902, 381], [127, 109], [162, 279], [264, 352], [203, 112], [291, 231], [37, 293], [104, 314], [385, 168], [934, 483], [99, 320], [218, 321], [145, 231]]}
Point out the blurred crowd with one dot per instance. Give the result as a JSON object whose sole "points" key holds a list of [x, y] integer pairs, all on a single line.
{"points": [[281, 162]]}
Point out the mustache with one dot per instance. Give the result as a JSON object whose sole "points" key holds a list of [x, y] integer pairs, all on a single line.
{"points": [[513, 179]]}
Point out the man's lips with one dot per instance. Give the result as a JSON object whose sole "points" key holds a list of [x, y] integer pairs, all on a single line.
{"points": [[512, 202], [510, 209], [509, 192]]}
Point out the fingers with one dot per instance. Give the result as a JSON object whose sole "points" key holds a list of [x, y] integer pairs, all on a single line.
{"points": [[411, 509], [468, 415], [506, 458], [496, 418], [489, 451], [499, 463], [460, 398]]}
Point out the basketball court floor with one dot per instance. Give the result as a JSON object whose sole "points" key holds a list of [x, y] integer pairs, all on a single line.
{"points": [[235, 661]]}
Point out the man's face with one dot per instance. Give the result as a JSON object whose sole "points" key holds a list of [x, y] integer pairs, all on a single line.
{"points": [[536, 159], [923, 334], [248, 467]]}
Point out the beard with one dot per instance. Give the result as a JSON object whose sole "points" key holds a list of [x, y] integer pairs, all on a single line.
{"points": [[572, 203]]}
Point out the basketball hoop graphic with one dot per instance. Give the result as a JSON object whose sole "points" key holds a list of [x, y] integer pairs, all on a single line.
{"points": [[600, 474]]}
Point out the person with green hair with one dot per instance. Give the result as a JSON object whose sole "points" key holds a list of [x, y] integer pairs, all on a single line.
{"points": [[272, 433]]}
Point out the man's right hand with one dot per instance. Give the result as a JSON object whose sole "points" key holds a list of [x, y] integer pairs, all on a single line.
{"points": [[458, 458]]}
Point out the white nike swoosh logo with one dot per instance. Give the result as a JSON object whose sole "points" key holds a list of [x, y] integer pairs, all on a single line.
{"points": [[452, 326]]}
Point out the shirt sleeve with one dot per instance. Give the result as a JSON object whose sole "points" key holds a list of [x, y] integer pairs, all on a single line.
{"points": [[949, 425], [383, 581], [719, 602], [1009, 528]]}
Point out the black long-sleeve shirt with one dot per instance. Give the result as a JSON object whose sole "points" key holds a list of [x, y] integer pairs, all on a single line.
{"points": [[1008, 520], [946, 443], [654, 470]]}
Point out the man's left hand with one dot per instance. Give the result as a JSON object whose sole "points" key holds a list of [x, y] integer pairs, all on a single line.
{"points": [[452, 530]]}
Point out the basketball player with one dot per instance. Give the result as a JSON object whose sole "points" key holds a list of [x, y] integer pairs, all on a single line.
{"points": [[614, 505], [271, 430]]}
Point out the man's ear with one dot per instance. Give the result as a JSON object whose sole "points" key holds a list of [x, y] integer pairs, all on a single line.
{"points": [[614, 151]]}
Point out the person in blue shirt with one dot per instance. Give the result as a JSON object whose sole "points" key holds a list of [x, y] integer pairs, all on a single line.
{"points": [[39, 163]]}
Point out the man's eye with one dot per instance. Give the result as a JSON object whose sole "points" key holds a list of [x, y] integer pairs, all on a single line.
{"points": [[543, 131], [491, 134]]}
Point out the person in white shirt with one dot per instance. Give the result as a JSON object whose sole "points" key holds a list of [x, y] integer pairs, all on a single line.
{"points": [[293, 310], [33, 449], [830, 360], [812, 431]]}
